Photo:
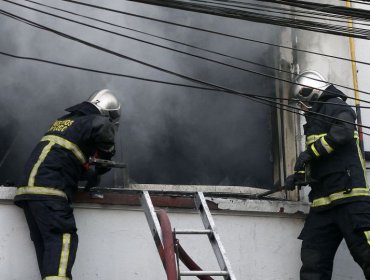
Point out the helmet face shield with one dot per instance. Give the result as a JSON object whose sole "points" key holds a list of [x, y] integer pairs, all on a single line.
{"points": [[305, 92], [114, 116], [309, 86]]}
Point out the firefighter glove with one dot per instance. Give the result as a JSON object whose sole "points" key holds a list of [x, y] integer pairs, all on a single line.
{"points": [[302, 159], [296, 179], [290, 182]]}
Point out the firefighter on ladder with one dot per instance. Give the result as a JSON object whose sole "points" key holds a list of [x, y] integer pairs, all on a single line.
{"points": [[339, 196], [51, 175]]}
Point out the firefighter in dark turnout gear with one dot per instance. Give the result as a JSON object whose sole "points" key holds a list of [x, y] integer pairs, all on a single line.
{"points": [[51, 176], [340, 198]]}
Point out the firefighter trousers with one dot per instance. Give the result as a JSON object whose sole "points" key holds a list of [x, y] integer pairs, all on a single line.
{"points": [[54, 234], [323, 232]]}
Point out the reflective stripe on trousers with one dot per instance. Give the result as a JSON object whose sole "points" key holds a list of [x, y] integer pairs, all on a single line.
{"points": [[64, 255], [56, 278]]}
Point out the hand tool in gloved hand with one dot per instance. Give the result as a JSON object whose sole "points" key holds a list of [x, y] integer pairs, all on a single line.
{"points": [[106, 163], [296, 179], [274, 190], [101, 166]]}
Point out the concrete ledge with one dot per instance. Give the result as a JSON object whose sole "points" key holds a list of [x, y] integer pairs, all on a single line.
{"points": [[262, 206], [7, 193], [165, 196], [229, 190]]}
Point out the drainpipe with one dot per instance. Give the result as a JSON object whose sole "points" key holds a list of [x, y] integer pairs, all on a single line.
{"points": [[355, 81], [295, 71]]}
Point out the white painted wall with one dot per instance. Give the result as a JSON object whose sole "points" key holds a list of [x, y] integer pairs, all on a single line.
{"points": [[116, 243], [363, 75], [334, 70]]}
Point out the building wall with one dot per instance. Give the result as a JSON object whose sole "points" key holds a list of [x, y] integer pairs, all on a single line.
{"points": [[335, 70], [116, 243], [363, 76]]}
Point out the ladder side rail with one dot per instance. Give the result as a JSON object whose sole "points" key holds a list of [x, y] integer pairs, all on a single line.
{"points": [[152, 219], [215, 240]]}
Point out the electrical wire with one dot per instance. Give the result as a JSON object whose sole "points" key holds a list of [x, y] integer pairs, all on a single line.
{"points": [[184, 44], [326, 102], [240, 14], [211, 31], [154, 80], [120, 75], [309, 14], [150, 43], [294, 12], [334, 9], [305, 13], [357, 2], [294, 110], [226, 90], [102, 72], [256, 17], [165, 47]]}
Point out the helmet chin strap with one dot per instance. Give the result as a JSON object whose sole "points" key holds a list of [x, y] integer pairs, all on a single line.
{"points": [[315, 95], [302, 104]]}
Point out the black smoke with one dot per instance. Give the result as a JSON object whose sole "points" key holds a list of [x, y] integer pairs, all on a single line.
{"points": [[168, 134]]}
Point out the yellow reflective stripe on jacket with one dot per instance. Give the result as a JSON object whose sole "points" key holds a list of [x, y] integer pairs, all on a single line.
{"points": [[56, 278], [367, 235], [326, 146], [67, 145], [314, 137], [44, 153], [322, 201], [361, 158], [40, 190], [64, 255], [313, 148]]}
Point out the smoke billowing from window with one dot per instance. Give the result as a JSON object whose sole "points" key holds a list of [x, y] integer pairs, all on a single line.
{"points": [[168, 134]]}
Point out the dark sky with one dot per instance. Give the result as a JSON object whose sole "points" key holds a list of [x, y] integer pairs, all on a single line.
{"points": [[168, 134]]}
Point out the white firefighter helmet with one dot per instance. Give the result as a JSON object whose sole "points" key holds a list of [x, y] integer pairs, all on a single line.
{"points": [[107, 104], [309, 86]]}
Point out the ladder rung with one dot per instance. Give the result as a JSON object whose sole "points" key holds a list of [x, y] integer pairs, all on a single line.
{"points": [[192, 231], [204, 273]]}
